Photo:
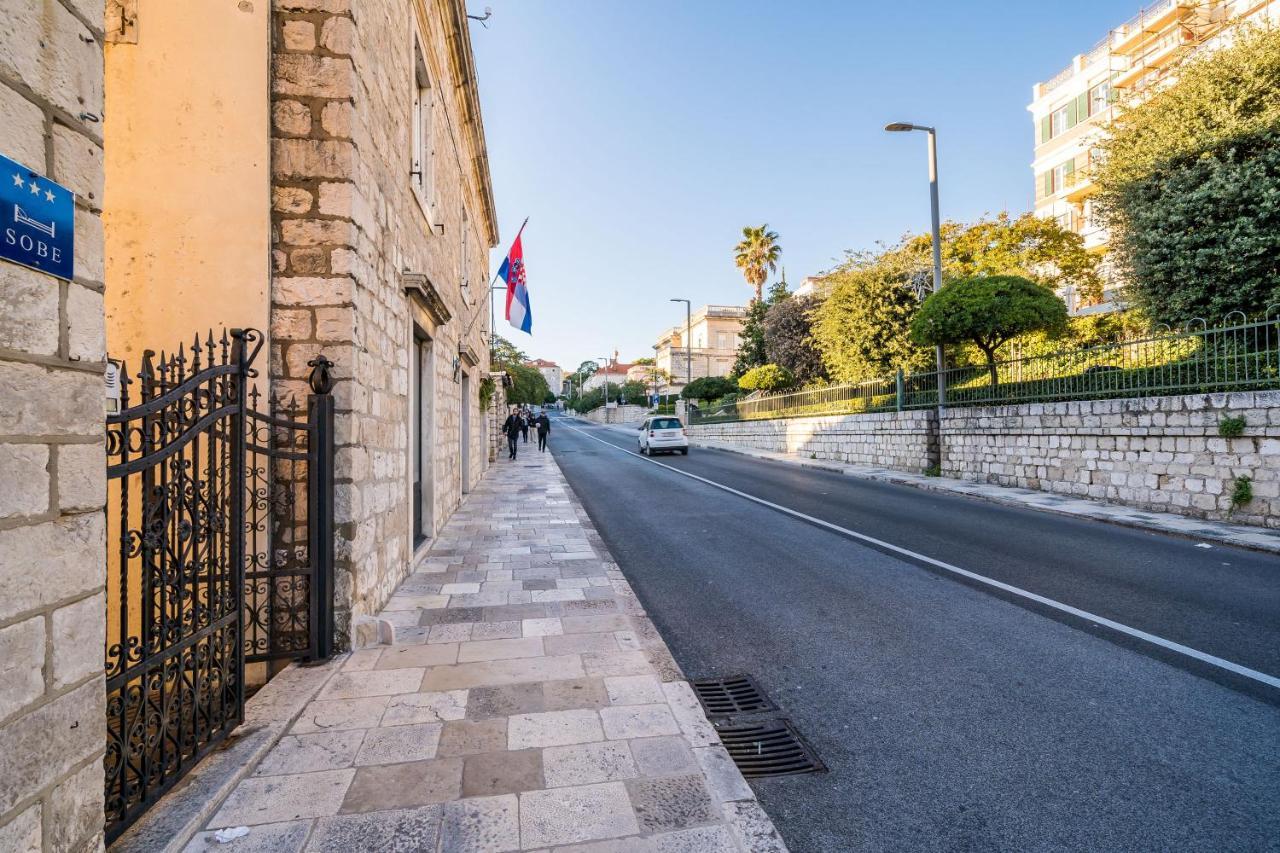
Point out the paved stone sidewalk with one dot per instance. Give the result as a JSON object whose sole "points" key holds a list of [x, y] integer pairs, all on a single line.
{"points": [[526, 704]]}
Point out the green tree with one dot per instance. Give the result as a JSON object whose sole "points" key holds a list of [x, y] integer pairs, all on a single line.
{"points": [[1189, 185], [503, 355], [987, 311], [767, 377], [1030, 246], [633, 392], [757, 255], [788, 339], [751, 344], [529, 386], [863, 327], [708, 388]]}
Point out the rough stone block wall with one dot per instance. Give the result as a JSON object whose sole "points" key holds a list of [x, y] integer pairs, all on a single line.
{"points": [[52, 461], [904, 441], [1158, 453], [496, 417], [617, 415], [346, 227]]}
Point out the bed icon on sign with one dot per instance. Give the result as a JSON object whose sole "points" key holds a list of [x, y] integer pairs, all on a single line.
{"points": [[37, 221], [20, 216]]}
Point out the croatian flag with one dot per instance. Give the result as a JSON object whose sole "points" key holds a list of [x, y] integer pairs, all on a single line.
{"points": [[512, 272]]}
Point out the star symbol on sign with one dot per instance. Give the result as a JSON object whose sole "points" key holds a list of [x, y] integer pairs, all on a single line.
{"points": [[17, 181], [48, 196], [35, 188]]}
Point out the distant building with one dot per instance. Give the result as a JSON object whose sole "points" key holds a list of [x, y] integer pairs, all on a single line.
{"points": [[615, 371], [551, 372], [714, 334], [1070, 108], [811, 286]]}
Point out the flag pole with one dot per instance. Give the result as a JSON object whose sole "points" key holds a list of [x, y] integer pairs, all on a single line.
{"points": [[493, 331]]}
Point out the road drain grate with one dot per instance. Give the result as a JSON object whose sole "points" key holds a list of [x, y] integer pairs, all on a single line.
{"points": [[768, 748], [729, 697], [760, 742]]}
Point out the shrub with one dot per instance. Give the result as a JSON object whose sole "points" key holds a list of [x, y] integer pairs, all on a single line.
{"points": [[1231, 427], [767, 377], [708, 388], [988, 311], [1242, 492]]}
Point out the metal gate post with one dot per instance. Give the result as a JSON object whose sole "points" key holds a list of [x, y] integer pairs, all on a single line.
{"points": [[902, 391], [243, 360], [320, 406]]}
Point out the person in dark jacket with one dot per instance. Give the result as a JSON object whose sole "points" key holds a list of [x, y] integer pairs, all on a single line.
{"points": [[525, 417], [544, 427], [511, 429]]}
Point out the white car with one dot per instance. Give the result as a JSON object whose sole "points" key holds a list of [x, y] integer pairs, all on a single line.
{"points": [[663, 433]]}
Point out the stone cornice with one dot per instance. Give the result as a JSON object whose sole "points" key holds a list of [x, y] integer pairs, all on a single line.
{"points": [[462, 62], [425, 295]]}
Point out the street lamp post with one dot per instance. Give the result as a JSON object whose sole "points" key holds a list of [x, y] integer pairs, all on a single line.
{"points": [[688, 342], [606, 383], [903, 127]]}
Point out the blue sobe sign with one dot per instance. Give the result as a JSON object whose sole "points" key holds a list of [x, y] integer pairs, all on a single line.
{"points": [[37, 221]]}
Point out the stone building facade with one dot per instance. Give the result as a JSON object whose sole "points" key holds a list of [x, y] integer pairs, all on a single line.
{"points": [[382, 217], [52, 460]]}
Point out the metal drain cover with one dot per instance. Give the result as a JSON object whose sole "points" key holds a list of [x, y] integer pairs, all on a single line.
{"points": [[729, 697], [768, 748], [760, 742]]}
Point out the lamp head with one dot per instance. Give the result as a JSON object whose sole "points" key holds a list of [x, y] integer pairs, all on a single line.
{"points": [[899, 126]]}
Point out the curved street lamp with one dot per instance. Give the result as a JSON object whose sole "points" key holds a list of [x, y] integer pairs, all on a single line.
{"points": [[906, 127]]}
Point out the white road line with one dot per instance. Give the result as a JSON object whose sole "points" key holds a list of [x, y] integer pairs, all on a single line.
{"points": [[1170, 645]]}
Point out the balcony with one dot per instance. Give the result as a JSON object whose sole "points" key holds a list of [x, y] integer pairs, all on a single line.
{"points": [[1150, 21], [1078, 185]]}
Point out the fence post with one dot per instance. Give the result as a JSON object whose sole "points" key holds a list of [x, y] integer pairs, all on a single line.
{"points": [[320, 452], [901, 389]]}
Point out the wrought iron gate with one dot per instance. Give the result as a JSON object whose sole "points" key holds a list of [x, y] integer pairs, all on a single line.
{"points": [[220, 554]]}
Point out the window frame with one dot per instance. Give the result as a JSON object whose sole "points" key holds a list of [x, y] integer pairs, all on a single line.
{"points": [[1054, 129], [1105, 102], [422, 135]]}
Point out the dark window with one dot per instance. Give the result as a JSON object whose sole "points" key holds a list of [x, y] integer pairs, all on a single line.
{"points": [[665, 423]]}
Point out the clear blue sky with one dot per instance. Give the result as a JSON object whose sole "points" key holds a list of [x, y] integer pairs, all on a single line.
{"points": [[639, 137]]}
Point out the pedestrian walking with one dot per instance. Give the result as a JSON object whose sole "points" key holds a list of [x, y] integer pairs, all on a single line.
{"points": [[511, 429], [525, 417], [544, 428]]}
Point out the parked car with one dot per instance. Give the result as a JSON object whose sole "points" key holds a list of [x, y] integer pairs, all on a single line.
{"points": [[663, 434]]}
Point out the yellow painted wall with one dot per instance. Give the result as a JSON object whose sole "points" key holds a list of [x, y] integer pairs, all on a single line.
{"points": [[188, 195]]}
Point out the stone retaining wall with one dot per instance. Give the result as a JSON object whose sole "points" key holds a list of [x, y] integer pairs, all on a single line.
{"points": [[52, 457], [618, 415], [1157, 453], [904, 441]]}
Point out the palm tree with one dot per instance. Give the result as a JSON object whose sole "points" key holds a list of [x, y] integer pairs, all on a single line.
{"points": [[757, 256]]}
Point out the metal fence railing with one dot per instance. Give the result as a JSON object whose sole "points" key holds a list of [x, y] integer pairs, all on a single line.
{"points": [[1240, 355]]}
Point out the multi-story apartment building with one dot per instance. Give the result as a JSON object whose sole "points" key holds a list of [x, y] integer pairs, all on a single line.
{"points": [[1069, 109], [714, 332], [551, 372]]}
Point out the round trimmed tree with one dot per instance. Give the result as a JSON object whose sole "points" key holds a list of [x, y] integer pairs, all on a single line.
{"points": [[988, 311]]}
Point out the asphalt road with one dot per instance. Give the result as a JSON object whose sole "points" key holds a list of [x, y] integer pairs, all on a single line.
{"points": [[951, 718]]}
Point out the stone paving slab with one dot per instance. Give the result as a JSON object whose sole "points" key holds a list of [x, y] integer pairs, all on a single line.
{"points": [[1242, 536], [526, 703]]}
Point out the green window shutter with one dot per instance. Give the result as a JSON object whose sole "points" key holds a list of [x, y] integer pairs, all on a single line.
{"points": [[1082, 106], [1048, 183], [1046, 127], [1071, 114], [1069, 166]]}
